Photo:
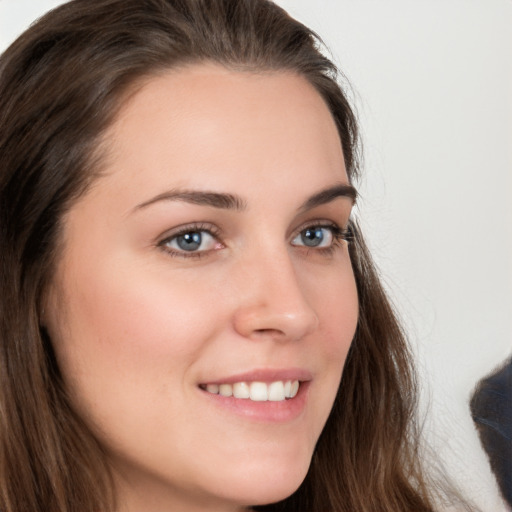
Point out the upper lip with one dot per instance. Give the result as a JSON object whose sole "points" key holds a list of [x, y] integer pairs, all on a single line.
{"points": [[264, 375]]}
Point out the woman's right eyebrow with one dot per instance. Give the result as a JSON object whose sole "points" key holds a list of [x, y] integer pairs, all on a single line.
{"points": [[206, 198]]}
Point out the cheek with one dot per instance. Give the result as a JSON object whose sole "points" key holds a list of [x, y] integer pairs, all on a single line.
{"points": [[121, 338], [336, 302], [135, 310]]}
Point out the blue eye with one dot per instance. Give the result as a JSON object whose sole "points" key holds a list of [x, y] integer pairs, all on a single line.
{"points": [[190, 241], [315, 236]]}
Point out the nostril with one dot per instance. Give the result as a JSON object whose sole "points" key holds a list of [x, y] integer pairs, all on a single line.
{"points": [[269, 333]]}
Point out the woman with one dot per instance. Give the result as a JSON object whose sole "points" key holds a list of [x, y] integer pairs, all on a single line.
{"points": [[182, 286]]}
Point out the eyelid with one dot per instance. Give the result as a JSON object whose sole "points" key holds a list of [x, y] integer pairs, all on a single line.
{"points": [[189, 226], [322, 223]]}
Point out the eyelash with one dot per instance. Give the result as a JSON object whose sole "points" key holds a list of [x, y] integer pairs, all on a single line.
{"points": [[340, 236]]}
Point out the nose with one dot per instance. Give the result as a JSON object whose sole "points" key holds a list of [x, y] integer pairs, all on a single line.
{"points": [[272, 301]]}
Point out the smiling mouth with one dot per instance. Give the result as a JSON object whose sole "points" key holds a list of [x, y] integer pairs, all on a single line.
{"points": [[276, 391]]}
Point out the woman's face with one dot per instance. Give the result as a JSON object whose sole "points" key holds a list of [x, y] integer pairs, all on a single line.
{"points": [[209, 259]]}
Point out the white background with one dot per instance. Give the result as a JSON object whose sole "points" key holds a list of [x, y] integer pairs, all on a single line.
{"points": [[432, 83]]}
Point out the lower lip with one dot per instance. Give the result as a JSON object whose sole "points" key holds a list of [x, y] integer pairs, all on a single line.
{"points": [[266, 412]]}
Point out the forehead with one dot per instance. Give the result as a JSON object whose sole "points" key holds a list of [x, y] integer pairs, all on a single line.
{"points": [[210, 125]]}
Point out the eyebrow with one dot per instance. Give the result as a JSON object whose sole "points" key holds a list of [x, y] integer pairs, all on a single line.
{"points": [[227, 201], [330, 194], [215, 199]]}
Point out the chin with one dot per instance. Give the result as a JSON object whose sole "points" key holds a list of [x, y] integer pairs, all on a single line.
{"points": [[267, 484]]}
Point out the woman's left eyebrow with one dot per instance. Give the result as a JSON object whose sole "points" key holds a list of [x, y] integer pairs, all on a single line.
{"points": [[330, 194]]}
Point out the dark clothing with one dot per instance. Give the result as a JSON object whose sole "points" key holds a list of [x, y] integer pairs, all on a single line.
{"points": [[491, 409]]}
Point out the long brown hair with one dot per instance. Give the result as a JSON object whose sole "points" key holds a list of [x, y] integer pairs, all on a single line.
{"points": [[61, 84]]}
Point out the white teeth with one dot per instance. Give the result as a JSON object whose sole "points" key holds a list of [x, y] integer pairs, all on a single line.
{"points": [[276, 392], [225, 389], [257, 391], [241, 390], [295, 388]]}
